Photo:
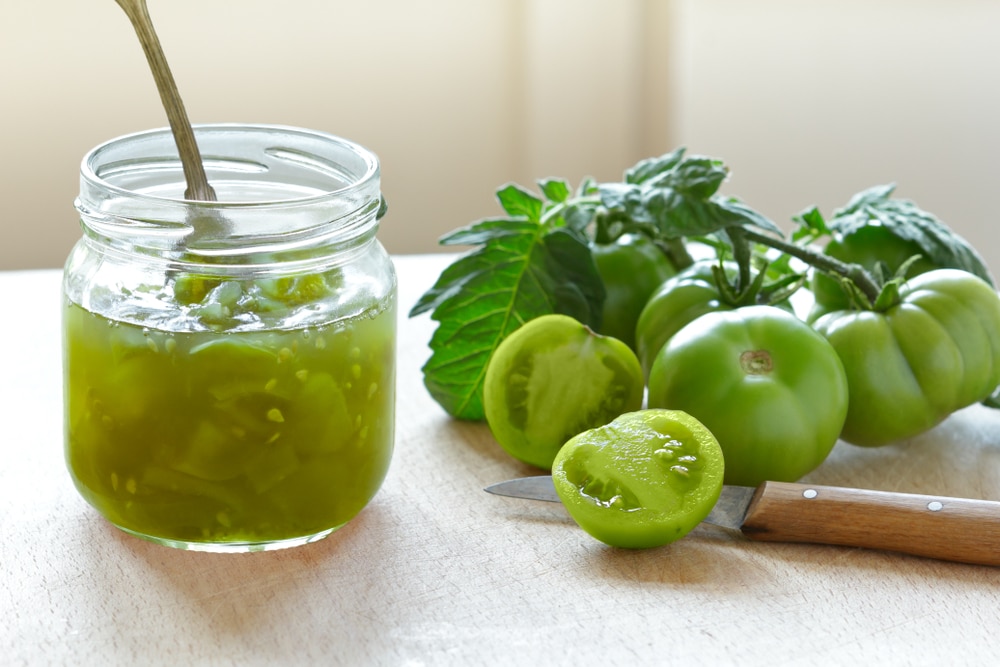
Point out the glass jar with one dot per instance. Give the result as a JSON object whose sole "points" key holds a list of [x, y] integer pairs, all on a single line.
{"points": [[229, 366]]}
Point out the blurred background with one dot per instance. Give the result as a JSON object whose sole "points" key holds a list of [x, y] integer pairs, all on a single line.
{"points": [[807, 102]]}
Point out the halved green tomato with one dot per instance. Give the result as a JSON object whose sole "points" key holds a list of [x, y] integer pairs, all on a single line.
{"points": [[643, 480], [553, 378]]}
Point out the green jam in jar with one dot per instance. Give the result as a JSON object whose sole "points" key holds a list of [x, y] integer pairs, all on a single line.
{"points": [[229, 365], [246, 437]]}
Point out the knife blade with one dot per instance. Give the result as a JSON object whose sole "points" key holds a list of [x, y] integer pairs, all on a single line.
{"points": [[953, 529]]}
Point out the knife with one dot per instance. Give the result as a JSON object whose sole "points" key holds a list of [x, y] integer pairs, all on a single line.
{"points": [[952, 529]]}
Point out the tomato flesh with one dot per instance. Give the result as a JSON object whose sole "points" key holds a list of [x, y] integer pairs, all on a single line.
{"points": [[643, 480], [552, 379]]}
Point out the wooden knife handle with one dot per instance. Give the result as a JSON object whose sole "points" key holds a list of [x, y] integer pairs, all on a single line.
{"points": [[953, 529]]}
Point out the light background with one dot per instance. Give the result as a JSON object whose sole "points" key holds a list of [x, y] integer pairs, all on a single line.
{"points": [[807, 101]]}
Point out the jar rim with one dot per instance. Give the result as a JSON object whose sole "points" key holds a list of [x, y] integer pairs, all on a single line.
{"points": [[94, 169], [278, 187]]}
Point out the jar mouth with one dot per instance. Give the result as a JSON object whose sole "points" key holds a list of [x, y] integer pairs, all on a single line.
{"points": [[310, 165], [277, 187]]}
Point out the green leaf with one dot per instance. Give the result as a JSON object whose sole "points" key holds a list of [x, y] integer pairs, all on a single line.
{"points": [[810, 224], [888, 297], [519, 202], [906, 220], [698, 177], [647, 170], [578, 216], [621, 196], [677, 196], [587, 187], [484, 230], [555, 189], [571, 276], [523, 270], [453, 279], [675, 215], [744, 215], [873, 196]]}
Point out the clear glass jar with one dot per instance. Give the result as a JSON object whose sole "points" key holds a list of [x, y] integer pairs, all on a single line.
{"points": [[229, 366]]}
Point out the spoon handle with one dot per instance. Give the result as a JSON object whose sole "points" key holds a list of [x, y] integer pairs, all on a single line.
{"points": [[198, 187]]}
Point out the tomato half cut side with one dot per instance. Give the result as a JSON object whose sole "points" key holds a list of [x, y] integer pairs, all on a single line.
{"points": [[645, 479]]}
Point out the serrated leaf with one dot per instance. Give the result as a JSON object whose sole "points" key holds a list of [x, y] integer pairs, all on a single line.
{"points": [[651, 168], [905, 219], [873, 196], [482, 231], [484, 296], [676, 195], [452, 280], [675, 215], [744, 215], [698, 177], [620, 196], [519, 202]]}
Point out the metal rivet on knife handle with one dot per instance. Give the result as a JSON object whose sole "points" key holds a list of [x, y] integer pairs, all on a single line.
{"points": [[956, 529]]}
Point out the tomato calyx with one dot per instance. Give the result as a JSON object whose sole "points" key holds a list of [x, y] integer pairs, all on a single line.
{"points": [[889, 287], [748, 285], [757, 292]]}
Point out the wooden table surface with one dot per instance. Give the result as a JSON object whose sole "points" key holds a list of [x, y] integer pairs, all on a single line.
{"points": [[437, 572]]}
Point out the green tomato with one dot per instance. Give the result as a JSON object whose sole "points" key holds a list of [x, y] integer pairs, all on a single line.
{"points": [[643, 480], [632, 268], [908, 368], [866, 246], [554, 378], [772, 390], [677, 302]]}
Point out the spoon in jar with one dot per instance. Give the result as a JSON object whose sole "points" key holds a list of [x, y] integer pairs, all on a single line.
{"points": [[198, 187]]}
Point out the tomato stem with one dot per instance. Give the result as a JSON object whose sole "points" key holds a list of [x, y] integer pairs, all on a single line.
{"points": [[742, 254], [676, 252], [856, 273]]}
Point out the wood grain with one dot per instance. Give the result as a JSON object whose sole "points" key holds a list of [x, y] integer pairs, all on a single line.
{"points": [[955, 529]]}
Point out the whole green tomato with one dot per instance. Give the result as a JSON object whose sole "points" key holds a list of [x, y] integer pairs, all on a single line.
{"points": [[632, 268], [908, 368], [771, 390], [675, 303], [866, 246]]}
